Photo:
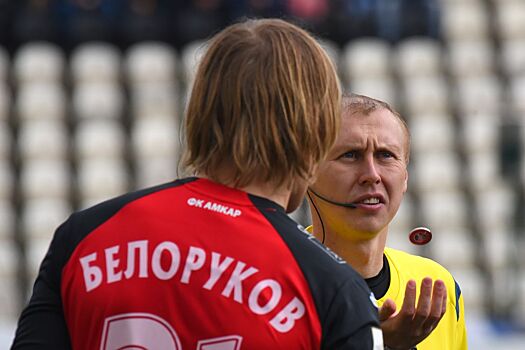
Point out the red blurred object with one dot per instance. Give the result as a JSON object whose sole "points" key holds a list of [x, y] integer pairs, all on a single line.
{"points": [[420, 236]]}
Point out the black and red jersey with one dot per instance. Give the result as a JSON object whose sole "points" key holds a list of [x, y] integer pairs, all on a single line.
{"points": [[194, 265]]}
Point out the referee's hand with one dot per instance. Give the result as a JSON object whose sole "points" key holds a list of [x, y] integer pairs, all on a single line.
{"points": [[407, 328]]}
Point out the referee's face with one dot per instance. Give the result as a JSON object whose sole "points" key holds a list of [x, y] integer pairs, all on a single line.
{"points": [[367, 167]]}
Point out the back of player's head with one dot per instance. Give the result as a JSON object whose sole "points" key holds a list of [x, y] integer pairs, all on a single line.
{"points": [[364, 105], [265, 102]]}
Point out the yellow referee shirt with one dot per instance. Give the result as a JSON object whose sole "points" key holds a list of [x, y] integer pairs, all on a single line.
{"points": [[450, 334]]}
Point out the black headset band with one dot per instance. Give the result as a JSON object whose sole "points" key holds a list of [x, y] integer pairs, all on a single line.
{"points": [[341, 204]]}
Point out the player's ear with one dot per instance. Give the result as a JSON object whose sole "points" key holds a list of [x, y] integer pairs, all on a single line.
{"points": [[314, 174]]}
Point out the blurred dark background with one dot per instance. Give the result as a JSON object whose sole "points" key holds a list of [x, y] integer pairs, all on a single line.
{"points": [[124, 22]]}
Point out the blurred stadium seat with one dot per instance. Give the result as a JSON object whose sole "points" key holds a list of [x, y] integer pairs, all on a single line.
{"points": [[8, 277], [41, 178], [517, 96], [6, 140], [4, 65], [5, 101], [43, 139], [7, 218], [436, 171], [512, 56], [7, 180], [493, 217], [465, 20], [41, 100], [480, 94], [382, 88], [155, 137], [98, 100], [152, 100], [453, 247], [479, 133], [151, 63], [100, 179], [510, 19], [426, 95], [444, 210], [95, 62], [40, 217], [366, 58], [418, 57], [39, 62], [470, 58], [191, 55], [99, 139], [436, 127], [482, 170], [155, 170], [35, 252]]}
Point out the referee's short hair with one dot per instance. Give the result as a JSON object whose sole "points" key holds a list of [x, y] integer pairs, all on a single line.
{"points": [[266, 101]]}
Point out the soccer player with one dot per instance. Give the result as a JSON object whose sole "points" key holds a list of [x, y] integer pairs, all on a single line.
{"points": [[213, 261], [357, 194]]}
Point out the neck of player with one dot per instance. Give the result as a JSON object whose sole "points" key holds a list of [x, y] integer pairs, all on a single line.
{"points": [[266, 190], [364, 255]]}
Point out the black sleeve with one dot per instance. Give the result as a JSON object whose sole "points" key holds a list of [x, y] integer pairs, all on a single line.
{"points": [[42, 324], [350, 319], [343, 300]]}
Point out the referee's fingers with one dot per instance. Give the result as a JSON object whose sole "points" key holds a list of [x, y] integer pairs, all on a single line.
{"points": [[388, 309], [408, 308], [444, 306], [424, 304], [439, 297]]}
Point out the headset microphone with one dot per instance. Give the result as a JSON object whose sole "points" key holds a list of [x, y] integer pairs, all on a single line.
{"points": [[418, 236], [341, 204]]}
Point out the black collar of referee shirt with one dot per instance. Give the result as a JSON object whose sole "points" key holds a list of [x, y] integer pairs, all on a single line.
{"points": [[379, 284]]}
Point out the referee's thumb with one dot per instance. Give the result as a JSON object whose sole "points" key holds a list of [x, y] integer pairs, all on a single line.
{"points": [[387, 310]]}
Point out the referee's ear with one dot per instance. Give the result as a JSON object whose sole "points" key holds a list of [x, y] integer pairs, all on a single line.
{"points": [[405, 183]]}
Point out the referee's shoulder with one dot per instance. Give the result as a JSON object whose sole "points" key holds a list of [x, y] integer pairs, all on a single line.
{"points": [[431, 268]]}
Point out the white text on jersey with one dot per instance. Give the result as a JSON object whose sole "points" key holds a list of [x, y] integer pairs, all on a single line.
{"points": [[218, 208], [108, 268]]}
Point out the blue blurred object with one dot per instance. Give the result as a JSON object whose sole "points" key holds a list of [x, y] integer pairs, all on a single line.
{"points": [[401, 19], [88, 20]]}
